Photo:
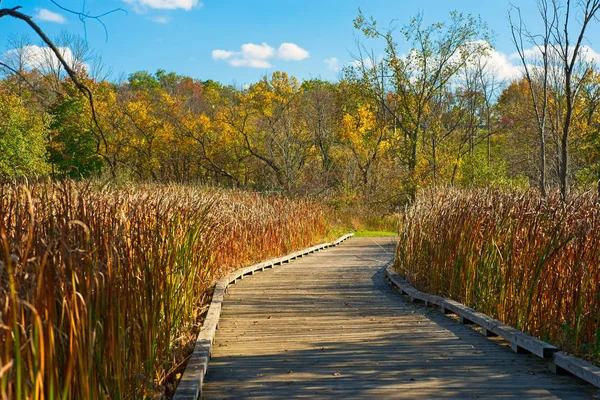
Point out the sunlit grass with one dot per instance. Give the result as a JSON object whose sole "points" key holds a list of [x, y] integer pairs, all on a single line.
{"points": [[529, 262], [363, 233], [102, 289]]}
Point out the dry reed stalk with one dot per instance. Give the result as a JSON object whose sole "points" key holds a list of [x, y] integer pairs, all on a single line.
{"points": [[530, 262], [101, 289]]}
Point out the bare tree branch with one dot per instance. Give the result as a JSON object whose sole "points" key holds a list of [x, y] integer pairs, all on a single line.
{"points": [[83, 16], [15, 13]]}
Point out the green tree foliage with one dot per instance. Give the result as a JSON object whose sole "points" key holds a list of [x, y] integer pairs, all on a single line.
{"points": [[72, 144], [143, 80], [22, 146]]}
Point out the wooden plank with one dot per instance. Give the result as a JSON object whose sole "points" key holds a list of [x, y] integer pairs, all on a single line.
{"points": [[519, 340], [469, 314], [190, 385], [327, 392], [576, 366], [410, 290], [330, 326]]}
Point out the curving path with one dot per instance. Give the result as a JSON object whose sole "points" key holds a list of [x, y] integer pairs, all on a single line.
{"points": [[330, 326]]}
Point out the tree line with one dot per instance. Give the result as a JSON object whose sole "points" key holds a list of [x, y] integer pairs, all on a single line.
{"points": [[439, 115]]}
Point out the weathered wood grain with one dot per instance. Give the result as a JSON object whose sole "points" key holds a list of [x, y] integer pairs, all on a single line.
{"points": [[329, 326], [190, 385], [583, 369], [520, 341]]}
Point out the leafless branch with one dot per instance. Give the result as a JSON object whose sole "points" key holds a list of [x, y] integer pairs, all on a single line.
{"points": [[84, 15]]}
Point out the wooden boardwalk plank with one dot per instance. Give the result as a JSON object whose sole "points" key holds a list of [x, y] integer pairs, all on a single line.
{"points": [[329, 326]]}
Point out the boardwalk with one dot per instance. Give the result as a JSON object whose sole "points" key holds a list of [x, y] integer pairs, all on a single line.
{"points": [[330, 326]]}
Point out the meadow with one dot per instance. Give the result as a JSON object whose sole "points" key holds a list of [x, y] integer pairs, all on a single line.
{"points": [[102, 289], [530, 262]]}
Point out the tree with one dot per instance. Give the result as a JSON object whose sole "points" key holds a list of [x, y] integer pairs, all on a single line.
{"points": [[560, 47], [15, 13], [143, 81], [363, 132], [72, 145], [320, 112], [536, 71], [439, 51], [22, 145], [202, 119], [277, 137], [490, 85], [589, 148], [574, 72], [519, 129], [61, 62]]}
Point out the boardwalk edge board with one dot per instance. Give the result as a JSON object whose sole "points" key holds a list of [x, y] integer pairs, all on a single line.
{"points": [[560, 361], [190, 385]]}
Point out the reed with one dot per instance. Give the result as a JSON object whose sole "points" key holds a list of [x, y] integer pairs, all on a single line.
{"points": [[102, 290], [530, 262]]}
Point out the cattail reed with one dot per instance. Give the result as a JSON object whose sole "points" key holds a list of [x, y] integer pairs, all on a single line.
{"points": [[531, 262], [102, 289]]}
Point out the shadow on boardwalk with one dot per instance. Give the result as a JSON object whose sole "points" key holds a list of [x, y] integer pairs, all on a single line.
{"points": [[329, 326]]}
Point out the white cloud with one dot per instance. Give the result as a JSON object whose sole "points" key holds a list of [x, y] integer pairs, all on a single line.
{"points": [[222, 54], [254, 51], [501, 66], [510, 67], [589, 55], [141, 5], [161, 20], [242, 62], [497, 63], [43, 58], [291, 51], [529, 53], [333, 64], [44, 14], [258, 55], [534, 54], [367, 62]]}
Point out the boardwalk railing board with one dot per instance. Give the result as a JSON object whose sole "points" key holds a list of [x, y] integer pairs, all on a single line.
{"points": [[492, 327], [576, 366], [190, 385]]}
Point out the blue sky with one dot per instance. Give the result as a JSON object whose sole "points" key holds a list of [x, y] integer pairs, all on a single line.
{"points": [[205, 39]]}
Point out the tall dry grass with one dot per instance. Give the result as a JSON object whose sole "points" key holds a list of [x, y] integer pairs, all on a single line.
{"points": [[530, 262], [102, 289]]}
